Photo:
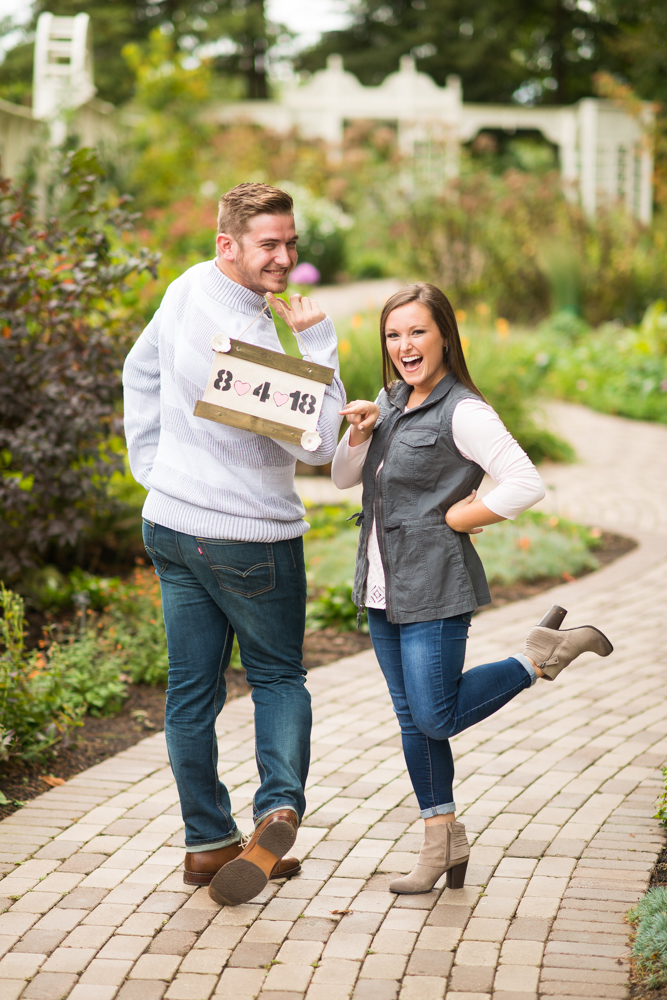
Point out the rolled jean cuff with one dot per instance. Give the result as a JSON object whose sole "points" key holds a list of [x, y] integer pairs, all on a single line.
{"points": [[448, 807], [527, 665], [267, 812], [215, 845]]}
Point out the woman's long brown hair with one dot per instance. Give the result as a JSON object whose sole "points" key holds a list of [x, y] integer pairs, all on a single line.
{"points": [[441, 310]]}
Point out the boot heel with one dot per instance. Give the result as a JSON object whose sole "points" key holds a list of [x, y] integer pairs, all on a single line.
{"points": [[456, 876], [553, 618]]}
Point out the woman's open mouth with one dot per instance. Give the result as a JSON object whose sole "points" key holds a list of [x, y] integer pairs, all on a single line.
{"points": [[412, 362]]}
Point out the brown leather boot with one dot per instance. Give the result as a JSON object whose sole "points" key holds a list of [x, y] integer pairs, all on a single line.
{"points": [[244, 878], [201, 866]]}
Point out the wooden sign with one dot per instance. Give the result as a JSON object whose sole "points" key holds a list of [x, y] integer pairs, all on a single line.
{"points": [[266, 392]]}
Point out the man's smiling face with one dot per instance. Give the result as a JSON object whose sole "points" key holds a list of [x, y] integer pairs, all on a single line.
{"points": [[265, 255]]}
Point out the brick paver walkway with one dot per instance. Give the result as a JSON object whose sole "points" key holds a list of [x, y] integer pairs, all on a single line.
{"points": [[557, 790]]}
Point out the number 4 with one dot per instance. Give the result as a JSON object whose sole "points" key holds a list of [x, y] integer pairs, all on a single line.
{"points": [[263, 391]]}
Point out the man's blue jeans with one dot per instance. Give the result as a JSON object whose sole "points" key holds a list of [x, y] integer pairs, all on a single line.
{"points": [[211, 589], [433, 699]]}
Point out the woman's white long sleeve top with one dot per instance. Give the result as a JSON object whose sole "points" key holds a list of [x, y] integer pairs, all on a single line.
{"points": [[481, 437]]}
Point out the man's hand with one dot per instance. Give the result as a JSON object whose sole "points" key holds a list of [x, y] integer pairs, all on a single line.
{"points": [[299, 314], [468, 514], [361, 415]]}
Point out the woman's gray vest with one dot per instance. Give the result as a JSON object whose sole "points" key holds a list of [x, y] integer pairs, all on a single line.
{"points": [[430, 571]]}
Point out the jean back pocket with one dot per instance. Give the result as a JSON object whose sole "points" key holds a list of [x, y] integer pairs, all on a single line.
{"points": [[244, 568]]}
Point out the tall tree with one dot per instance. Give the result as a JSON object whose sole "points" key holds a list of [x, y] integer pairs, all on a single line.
{"points": [[528, 50], [641, 44]]}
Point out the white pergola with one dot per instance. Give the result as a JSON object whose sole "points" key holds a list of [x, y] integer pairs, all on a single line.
{"points": [[604, 153]]}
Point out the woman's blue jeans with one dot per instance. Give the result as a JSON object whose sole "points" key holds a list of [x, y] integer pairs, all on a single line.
{"points": [[211, 589], [433, 699]]}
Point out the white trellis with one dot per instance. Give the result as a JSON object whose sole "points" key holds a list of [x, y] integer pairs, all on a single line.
{"points": [[604, 153]]}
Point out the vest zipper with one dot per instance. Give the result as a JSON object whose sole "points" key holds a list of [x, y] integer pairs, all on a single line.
{"points": [[377, 511]]}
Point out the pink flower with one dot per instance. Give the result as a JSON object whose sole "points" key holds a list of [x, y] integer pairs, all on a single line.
{"points": [[305, 274]]}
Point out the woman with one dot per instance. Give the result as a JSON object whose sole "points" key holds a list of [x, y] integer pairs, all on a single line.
{"points": [[421, 450]]}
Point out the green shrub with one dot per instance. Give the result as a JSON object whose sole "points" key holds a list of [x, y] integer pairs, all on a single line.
{"points": [[47, 589], [133, 623], [517, 243], [649, 948], [536, 547], [334, 609], [94, 677], [613, 369], [37, 705], [65, 331]]}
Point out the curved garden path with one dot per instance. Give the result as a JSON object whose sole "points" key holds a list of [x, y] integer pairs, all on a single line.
{"points": [[558, 789]]}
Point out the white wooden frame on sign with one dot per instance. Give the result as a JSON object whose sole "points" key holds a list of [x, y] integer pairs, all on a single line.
{"points": [[264, 391]]}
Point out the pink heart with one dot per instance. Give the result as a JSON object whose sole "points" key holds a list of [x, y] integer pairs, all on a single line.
{"points": [[280, 398], [242, 387]]}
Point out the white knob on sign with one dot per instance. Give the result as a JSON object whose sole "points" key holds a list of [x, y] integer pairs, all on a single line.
{"points": [[310, 440], [221, 343]]}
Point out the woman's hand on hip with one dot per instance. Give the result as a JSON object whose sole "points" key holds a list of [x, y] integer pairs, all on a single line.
{"points": [[468, 514], [362, 416]]}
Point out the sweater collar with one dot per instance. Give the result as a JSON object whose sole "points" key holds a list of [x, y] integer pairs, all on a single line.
{"points": [[230, 293]]}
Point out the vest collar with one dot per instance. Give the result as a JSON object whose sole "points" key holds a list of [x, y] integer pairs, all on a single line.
{"points": [[399, 395]]}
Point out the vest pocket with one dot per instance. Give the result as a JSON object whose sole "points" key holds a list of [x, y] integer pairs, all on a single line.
{"points": [[421, 445], [445, 567]]}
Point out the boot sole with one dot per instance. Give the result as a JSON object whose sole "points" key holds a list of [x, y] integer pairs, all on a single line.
{"points": [[238, 882], [241, 880], [202, 878]]}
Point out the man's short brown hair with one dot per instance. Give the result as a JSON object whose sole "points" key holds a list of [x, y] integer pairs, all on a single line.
{"points": [[238, 206]]}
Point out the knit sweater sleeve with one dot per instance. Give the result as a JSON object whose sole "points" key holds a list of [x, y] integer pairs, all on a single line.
{"points": [[322, 345], [141, 389]]}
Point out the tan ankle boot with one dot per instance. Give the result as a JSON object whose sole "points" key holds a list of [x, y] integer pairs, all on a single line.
{"points": [[445, 849], [553, 650]]}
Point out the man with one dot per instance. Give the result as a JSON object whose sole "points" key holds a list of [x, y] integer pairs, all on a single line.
{"points": [[223, 526]]}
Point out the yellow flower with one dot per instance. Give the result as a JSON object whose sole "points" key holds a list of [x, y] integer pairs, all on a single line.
{"points": [[356, 321], [465, 344], [482, 309], [503, 327], [460, 315], [344, 346]]}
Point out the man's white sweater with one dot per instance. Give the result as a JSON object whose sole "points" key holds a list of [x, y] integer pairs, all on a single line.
{"points": [[207, 479]]}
